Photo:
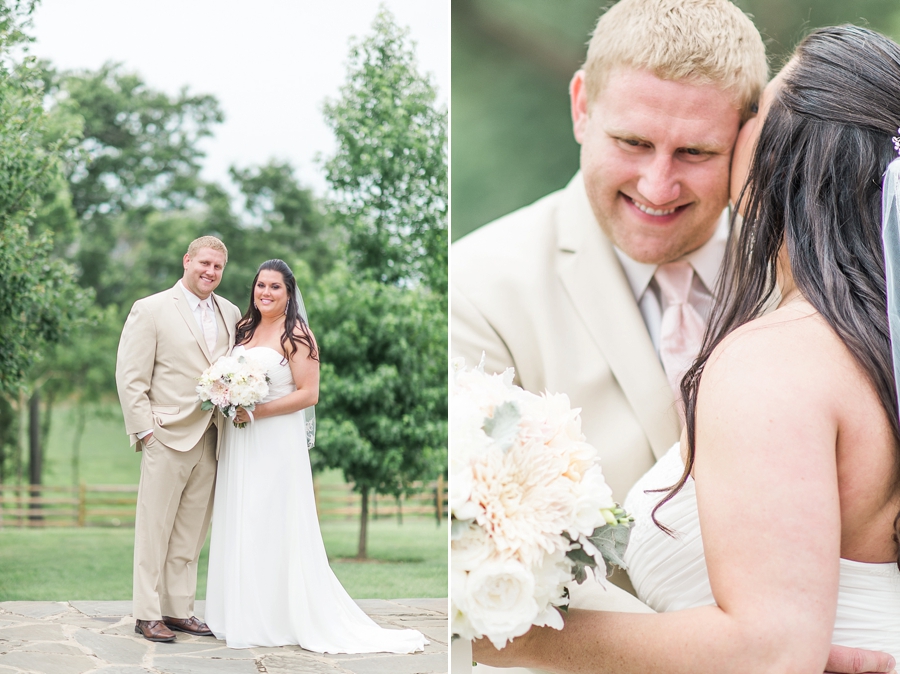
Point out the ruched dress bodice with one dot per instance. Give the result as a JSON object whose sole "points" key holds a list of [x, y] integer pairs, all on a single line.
{"points": [[669, 573], [281, 381]]}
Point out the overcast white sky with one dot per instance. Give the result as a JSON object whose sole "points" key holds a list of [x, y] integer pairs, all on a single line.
{"points": [[270, 63]]}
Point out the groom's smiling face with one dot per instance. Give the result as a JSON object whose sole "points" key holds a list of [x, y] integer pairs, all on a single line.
{"points": [[655, 157], [203, 271]]}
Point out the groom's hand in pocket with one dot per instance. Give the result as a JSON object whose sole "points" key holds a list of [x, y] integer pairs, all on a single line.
{"points": [[846, 660]]}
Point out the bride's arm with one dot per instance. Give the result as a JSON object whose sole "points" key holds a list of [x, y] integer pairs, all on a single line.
{"points": [[769, 511]]}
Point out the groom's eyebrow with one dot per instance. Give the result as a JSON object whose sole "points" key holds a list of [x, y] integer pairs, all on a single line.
{"points": [[706, 148]]}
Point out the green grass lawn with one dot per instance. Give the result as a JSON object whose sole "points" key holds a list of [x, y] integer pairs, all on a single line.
{"points": [[66, 564], [408, 560]]}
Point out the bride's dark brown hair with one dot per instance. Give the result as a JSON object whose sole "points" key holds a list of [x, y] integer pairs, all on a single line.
{"points": [[815, 184], [292, 319]]}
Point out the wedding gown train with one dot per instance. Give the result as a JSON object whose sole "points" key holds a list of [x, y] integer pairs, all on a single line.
{"points": [[269, 581], [670, 574]]}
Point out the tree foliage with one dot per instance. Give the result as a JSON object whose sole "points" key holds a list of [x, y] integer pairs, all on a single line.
{"points": [[383, 400], [390, 171], [39, 300], [382, 323], [137, 153]]}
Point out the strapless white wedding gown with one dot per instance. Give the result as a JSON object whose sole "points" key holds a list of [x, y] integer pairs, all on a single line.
{"points": [[670, 573], [269, 580]]}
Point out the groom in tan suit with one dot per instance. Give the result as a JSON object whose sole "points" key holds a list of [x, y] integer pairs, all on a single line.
{"points": [[169, 339], [565, 290]]}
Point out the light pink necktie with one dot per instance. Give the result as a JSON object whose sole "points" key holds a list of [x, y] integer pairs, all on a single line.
{"points": [[209, 325], [681, 331]]}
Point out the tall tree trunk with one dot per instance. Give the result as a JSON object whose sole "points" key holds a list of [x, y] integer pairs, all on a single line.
{"points": [[35, 458], [363, 524], [80, 423], [47, 417], [21, 441]]}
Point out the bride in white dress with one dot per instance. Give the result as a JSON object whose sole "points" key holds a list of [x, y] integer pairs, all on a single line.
{"points": [[792, 441], [269, 580]]}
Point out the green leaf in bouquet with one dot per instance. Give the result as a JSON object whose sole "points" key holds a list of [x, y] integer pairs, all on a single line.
{"points": [[206, 405], [503, 427], [580, 562], [611, 541], [564, 608]]}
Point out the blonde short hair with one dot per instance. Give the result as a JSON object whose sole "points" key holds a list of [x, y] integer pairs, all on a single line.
{"points": [[207, 242], [704, 41]]}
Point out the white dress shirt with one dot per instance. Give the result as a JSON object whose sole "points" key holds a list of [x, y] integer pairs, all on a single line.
{"points": [[194, 303], [706, 261]]}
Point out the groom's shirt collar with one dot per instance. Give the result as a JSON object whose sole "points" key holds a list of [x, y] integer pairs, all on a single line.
{"points": [[193, 300], [706, 261]]}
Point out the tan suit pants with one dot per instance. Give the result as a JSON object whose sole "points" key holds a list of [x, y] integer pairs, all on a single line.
{"points": [[174, 506]]}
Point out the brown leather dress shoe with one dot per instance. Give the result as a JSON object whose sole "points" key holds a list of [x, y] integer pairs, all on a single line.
{"points": [[190, 625], [154, 630]]}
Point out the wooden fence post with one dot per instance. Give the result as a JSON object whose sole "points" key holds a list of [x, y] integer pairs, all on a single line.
{"points": [[439, 498], [82, 504]]}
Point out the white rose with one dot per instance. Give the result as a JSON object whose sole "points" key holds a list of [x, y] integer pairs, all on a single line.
{"points": [[459, 622], [499, 600], [472, 548]]}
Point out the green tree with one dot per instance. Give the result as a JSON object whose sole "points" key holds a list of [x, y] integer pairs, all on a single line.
{"points": [[40, 301], [383, 401], [390, 171], [382, 322], [138, 153]]}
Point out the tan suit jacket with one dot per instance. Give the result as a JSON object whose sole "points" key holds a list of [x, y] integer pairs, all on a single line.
{"points": [[161, 354], [541, 290]]}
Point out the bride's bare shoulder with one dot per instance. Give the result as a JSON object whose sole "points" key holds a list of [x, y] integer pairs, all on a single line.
{"points": [[792, 349]]}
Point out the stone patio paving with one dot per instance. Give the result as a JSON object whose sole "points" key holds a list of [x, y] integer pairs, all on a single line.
{"points": [[77, 637]]}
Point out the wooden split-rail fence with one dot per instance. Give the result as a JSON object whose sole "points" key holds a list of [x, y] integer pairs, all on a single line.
{"points": [[114, 505]]}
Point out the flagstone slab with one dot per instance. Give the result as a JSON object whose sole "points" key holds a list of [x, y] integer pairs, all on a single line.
{"points": [[177, 664], [35, 609], [375, 607], [7, 645], [51, 647], [435, 604], [220, 651], [433, 628], [185, 647], [120, 669], [48, 663], [76, 619], [33, 632], [103, 608], [284, 664], [399, 664], [114, 650], [122, 630]]}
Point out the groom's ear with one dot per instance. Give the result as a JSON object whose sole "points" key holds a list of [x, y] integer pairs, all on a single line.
{"points": [[185, 260], [579, 102]]}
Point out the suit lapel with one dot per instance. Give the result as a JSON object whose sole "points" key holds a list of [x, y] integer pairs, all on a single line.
{"points": [[185, 310], [229, 325], [594, 280]]}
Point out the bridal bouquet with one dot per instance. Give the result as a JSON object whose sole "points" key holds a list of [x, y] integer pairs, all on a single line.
{"points": [[530, 509], [230, 383]]}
